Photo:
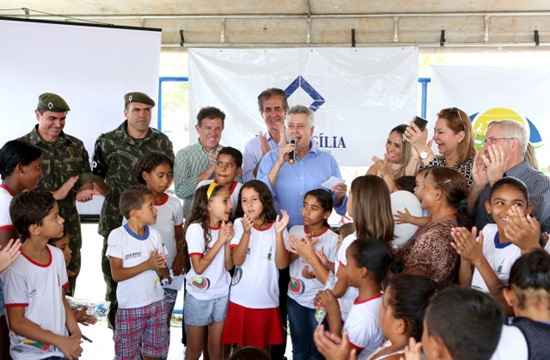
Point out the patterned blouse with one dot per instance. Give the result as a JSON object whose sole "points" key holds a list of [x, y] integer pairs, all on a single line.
{"points": [[429, 252], [465, 168]]}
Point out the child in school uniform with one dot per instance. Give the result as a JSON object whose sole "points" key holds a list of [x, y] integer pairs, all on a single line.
{"points": [[370, 207], [207, 234], [258, 252], [41, 322], [404, 303], [138, 262], [155, 172], [460, 323], [494, 247], [368, 261], [20, 170], [312, 249], [226, 173], [528, 294]]}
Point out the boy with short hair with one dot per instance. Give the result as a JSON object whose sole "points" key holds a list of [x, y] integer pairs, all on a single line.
{"points": [[226, 173], [137, 260], [20, 169], [41, 321], [461, 324]]}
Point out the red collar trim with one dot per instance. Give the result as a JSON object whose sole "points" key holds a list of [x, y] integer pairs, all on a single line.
{"points": [[264, 227], [214, 227], [8, 189], [163, 200], [357, 301], [306, 230], [34, 262], [232, 187]]}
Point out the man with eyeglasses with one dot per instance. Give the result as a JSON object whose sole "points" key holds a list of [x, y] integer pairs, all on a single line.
{"points": [[504, 154], [273, 107]]}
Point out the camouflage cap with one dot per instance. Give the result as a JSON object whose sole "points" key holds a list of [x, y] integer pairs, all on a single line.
{"points": [[138, 97], [52, 102]]}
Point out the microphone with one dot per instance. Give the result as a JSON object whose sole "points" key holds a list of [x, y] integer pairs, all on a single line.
{"points": [[292, 154]]}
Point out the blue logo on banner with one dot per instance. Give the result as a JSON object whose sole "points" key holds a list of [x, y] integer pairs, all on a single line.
{"points": [[325, 141], [300, 82]]}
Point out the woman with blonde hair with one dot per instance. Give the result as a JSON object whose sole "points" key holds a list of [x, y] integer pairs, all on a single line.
{"points": [[398, 158]]}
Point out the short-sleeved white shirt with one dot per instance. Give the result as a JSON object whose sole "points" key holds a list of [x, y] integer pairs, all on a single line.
{"points": [[362, 326], [169, 215], [351, 293], [300, 289], [5, 199], [39, 289], [234, 189], [255, 283], [6, 225], [214, 282], [501, 257], [144, 288]]}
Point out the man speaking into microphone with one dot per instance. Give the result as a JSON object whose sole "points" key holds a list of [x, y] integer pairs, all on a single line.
{"points": [[298, 166]]}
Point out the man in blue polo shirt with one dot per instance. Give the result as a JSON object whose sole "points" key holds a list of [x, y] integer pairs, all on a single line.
{"points": [[312, 167]]}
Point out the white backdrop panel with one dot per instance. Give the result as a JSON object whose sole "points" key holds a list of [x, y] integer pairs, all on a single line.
{"points": [[90, 67], [490, 93], [366, 92]]}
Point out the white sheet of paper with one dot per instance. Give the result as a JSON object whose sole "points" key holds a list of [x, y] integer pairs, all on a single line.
{"points": [[332, 182]]}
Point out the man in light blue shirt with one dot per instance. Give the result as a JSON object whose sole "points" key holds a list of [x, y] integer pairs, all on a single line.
{"points": [[273, 107], [312, 167]]}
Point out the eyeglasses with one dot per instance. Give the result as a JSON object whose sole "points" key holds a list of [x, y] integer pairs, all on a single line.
{"points": [[492, 140]]}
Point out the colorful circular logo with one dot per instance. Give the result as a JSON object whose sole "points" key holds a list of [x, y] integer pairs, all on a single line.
{"points": [[481, 120], [296, 286], [200, 282]]}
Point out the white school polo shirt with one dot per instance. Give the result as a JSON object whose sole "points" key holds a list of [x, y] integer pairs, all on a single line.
{"points": [[301, 289], [362, 326], [144, 288], [39, 289], [214, 282], [169, 215], [501, 257], [255, 283]]}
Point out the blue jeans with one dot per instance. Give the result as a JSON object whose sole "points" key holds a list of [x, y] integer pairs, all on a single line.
{"points": [[302, 325]]}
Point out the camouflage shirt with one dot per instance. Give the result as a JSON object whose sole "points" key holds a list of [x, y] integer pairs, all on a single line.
{"points": [[115, 157], [61, 159]]}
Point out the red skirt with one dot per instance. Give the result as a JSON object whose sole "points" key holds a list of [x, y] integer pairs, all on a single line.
{"points": [[252, 327]]}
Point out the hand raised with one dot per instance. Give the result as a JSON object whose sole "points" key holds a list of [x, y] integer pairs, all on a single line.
{"points": [[9, 253], [522, 230], [468, 245], [64, 190], [282, 221]]}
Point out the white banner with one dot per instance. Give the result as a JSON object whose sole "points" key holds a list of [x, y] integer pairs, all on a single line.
{"points": [[493, 93], [358, 94], [91, 67]]}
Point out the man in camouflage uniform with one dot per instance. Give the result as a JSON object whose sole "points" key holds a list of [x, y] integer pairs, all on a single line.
{"points": [[115, 157], [65, 169]]}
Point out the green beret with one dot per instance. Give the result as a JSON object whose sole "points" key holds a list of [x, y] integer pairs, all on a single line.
{"points": [[137, 97], [52, 102]]}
